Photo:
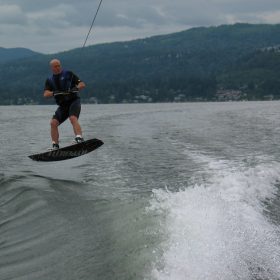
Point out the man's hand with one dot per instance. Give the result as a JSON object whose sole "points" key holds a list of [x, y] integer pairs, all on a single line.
{"points": [[48, 93], [81, 85]]}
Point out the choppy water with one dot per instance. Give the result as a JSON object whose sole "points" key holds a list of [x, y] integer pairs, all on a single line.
{"points": [[178, 191]]}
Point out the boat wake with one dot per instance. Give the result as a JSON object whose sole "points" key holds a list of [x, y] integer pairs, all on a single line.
{"points": [[220, 228]]}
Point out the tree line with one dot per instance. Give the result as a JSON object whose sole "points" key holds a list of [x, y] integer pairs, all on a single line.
{"points": [[193, 65]]}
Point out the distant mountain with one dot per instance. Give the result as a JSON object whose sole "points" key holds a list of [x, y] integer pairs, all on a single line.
{"points": [[228, 62], [15, 53]]}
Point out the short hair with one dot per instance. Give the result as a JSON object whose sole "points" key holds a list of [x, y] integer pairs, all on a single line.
{"points": [[54, 61]]}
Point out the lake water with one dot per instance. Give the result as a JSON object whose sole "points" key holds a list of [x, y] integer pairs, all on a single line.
{"points": [[177, 191]]}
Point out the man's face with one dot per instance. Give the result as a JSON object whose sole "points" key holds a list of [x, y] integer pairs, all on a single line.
{"points": [[56, 67]]}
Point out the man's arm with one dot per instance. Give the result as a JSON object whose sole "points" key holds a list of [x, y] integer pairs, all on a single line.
{"points": [[76, 82], [48, 92]]}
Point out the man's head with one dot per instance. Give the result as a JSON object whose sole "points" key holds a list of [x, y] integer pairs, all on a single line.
{"points": [[55, 66]]}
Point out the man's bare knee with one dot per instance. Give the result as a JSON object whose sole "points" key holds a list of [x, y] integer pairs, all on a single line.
{"points": [[73, 119], [54, 123]]}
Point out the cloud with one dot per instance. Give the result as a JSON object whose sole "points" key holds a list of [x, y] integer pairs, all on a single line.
{"points": [[270, 17], [12, 14], [52, 25], [54, 17]]}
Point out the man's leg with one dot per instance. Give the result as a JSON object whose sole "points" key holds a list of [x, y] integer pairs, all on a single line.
{"points": [[74, 113], [76, 126], [54, 131], [61, 114]]}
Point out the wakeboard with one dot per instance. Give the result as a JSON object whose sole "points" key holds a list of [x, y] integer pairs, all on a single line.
{"points": [[68, 152]]}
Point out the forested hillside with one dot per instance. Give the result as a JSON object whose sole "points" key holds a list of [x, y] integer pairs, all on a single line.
{"points": [[15, 54], [229, 62]]}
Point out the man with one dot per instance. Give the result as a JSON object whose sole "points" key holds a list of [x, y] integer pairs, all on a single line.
{"points": [[64, 86]]}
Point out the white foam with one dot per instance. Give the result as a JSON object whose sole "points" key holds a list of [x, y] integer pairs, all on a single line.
{"points": [[217, 229]]}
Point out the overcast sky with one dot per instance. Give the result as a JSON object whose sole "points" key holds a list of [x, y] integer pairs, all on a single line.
{"points": [[51, 26]]}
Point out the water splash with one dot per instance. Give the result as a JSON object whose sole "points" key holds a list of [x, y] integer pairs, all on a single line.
{"points": [[217, 229]]}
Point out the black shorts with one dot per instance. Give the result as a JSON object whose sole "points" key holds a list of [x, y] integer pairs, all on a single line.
{"points": [[64, 111]]}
